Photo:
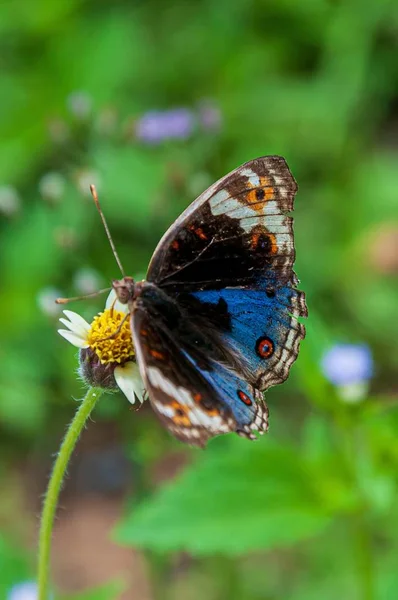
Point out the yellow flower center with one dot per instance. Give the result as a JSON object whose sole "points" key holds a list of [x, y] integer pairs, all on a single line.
{"points": [[110, 337]]}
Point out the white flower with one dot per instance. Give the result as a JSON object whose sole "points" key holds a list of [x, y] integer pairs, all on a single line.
{"points": [[52, 186], [80, 104], [46, 301], [107, 356], [78, 329], [84, 178], [24, 591], [10, 202], [87, 280]]}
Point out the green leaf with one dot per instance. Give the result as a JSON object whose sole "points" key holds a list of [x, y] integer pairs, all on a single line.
{"points": [[237, 497]]}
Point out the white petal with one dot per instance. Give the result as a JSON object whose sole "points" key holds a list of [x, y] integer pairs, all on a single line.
{"points": [[110, 299], [73, 338], [129, 380], [113, 302], [80, 325], [68, 324]]}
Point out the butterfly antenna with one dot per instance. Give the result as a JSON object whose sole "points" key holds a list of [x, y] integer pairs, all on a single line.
{"points": [[105, 224], [92, 295]]}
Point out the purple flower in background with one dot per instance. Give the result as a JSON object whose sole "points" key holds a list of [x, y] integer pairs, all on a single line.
{"points": [[210, 116], [156, 126], [349, 367], [24, 591], [347, 363]]}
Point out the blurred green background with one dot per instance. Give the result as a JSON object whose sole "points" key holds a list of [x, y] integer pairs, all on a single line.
{"points": [[311, 510]]}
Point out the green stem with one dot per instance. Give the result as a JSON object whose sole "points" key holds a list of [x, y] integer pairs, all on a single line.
{"points": [[55, 483]]}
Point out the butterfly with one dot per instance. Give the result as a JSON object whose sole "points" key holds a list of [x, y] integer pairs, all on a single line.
{"points": [[215, 323]]}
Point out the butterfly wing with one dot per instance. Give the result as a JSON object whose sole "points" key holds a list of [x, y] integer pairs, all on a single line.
{"points": [[193, 393], [228, 260]]}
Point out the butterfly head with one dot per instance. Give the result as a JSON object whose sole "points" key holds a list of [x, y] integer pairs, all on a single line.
{"points": [[124, 289]]}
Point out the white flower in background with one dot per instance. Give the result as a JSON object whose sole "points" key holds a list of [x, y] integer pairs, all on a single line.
{"points": [[106, 360], [52, 186], [80, 104], [10, 201], [349, 367], [84, 178], [46, 301], [87, 281], [24, 591]]}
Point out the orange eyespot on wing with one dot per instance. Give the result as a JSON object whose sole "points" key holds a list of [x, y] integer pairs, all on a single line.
{"points": [[261, 239], [258, 195], [245, 398], [264, 347]]}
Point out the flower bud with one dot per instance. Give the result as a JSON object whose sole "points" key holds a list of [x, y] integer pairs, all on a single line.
{"points": [[96, 373]]}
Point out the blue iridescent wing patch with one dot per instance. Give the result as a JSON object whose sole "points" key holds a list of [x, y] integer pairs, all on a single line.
{"points": [[192, 392], [263, 329]]}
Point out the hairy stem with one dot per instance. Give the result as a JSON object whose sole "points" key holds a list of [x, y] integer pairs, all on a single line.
{"points": [[51, 500]]}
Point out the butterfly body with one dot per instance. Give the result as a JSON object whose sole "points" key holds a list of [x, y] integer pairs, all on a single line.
{"points": [[216, 322]]}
